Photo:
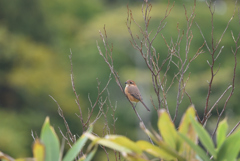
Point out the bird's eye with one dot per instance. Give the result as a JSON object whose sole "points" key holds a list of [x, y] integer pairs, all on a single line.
{"points": [[131, 82]]}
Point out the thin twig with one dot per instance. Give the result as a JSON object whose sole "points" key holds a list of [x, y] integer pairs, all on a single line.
{"points": [[233, 78], [212, 52], [184, 62], [74, 90], [235, 127], [109, 61], [97, 100]]}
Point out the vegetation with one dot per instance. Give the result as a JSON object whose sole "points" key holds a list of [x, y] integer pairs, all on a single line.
{"points": [[170, 145], [189, 56], [47, 147]]}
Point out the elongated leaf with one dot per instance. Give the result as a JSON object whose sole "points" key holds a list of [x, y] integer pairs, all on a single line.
{"points": [[167, 129], [125, 146], [124, 141], [186, 121], [204, 137], [187, 129], [50, 140], [221, 133], [154, 138], [230, 148], [201, 153], [91, 154], [38, 151], [5, 157], [130, 157], [155, 150], [77, 147]]}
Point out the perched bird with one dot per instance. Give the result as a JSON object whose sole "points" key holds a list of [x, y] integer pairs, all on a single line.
{"points": [[133, 93]]}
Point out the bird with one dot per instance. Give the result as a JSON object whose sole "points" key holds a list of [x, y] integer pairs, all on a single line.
{"points": [[132, 92]]}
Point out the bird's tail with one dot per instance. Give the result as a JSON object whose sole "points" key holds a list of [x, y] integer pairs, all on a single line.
{"points": [[145, 106]]}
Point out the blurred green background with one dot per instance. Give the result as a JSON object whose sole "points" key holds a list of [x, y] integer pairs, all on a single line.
{"points": [[35, 42]]}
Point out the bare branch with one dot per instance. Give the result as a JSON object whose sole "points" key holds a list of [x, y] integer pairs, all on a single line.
{"points": [[69, 133], [97, 101], [114, 73], [214, 58], [184, 62], [235, 127], [209, 112], [74, 90]]}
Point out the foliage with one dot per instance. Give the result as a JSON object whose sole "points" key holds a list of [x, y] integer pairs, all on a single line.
{"points": [[47, 148], [172, 144], [227, 148]]}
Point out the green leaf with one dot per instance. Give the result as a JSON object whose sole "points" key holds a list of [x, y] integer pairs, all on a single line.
{"points": [[91, 154], [124, 141], [119, 143], [134, 158], [201, 153], [204, 137], [230, 148], [24, 159], [187, 129], [167, 129], [77, 147], [50, 140], [156, 138], [221, 132], [156, 151], [38, 151], [186, 121]]}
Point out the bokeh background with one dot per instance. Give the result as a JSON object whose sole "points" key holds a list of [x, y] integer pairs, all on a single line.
{"points": [[35, 42]]}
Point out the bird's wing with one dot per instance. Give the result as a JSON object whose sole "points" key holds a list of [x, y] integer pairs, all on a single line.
{"points": [[134, 91]]}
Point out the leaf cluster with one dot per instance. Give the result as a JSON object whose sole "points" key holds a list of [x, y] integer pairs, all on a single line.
{"points": [[47, 147], [173, 144]]}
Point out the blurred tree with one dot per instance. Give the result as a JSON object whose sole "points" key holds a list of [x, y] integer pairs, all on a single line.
{"points": [[24, 17], [28, 70]]}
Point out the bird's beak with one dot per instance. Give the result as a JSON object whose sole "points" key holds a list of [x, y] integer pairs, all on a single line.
{"points": [[125, 82]]}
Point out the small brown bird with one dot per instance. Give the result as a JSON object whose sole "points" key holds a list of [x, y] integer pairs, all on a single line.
{"points": [[133, 93]]}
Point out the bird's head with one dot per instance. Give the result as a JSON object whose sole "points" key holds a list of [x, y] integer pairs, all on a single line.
{"points": [[130, 83]]}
